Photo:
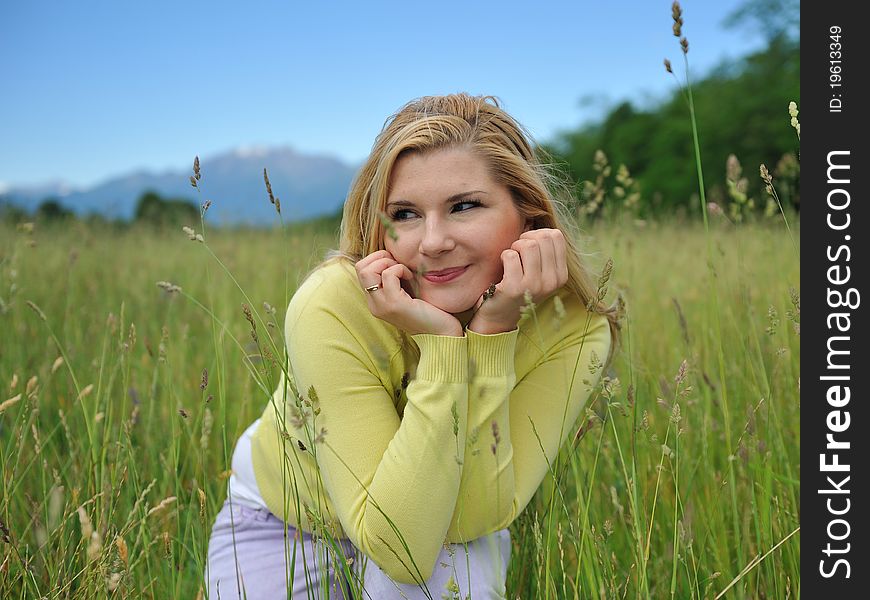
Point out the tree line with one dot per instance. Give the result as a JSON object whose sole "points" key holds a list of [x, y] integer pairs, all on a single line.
{"points": [[152, 209]]}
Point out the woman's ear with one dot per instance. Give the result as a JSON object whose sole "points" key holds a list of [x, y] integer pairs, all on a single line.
{"points": [[528, 226]]}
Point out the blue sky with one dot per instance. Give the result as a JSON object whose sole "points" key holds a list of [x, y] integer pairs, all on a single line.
{"points": [[93, 88]]}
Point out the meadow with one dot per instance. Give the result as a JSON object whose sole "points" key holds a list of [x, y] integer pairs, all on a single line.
{"points": [[121, 401]]}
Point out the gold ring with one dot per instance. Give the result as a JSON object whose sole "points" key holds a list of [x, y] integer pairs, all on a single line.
{"points": [[373, 288]]}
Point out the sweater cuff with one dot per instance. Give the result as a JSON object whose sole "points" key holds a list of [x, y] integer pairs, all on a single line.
{"points": [[442, 357], [493, 354]]}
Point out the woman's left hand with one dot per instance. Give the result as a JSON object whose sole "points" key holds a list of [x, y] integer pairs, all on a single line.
{"points": [[537, 263]]}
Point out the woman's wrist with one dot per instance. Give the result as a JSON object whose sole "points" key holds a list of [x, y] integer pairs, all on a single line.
{"points": [[458, 332], [483, 328]]}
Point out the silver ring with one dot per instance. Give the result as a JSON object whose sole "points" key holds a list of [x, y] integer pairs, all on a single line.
{"points": [[373, 288]]}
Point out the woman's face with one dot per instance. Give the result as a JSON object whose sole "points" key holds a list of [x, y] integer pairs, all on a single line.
{"points": [[449, 214]]}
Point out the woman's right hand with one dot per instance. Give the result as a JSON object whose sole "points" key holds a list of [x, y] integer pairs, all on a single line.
{"points": [[391, 303]]}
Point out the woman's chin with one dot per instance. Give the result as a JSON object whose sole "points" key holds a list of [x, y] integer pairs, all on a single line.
{"points": [[454, 308]]}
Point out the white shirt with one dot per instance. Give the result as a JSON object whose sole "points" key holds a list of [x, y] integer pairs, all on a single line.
{"points": [[242, 485]]}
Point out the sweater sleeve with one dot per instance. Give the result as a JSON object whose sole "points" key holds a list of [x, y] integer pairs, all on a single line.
{"points": [[505, 464], [393, 482]]}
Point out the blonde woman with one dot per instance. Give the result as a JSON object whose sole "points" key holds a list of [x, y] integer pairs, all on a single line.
{"points": [[421, 404]]}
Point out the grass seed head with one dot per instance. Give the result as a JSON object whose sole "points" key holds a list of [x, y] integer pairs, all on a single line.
{"points": [[4, 406], [113, 581], [169, 288], [37, 310], [321, 436], [714, 209], [207, 422], [85, 522], [194, 179], [56, 364], [677, 16], [451, 589], [249, 317], [112, 323], [123, 553], [275, 201], [676, 414], [528, 308], [496, 436], [595, 363], [793, 113], [681, 373], [31, 388], [95, 546], [163, 504], [559, 308], [268, 186], [795, 298], [603, 279]]}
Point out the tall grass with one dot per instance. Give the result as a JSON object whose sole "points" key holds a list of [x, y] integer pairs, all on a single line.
{"points": [[113, 470]]}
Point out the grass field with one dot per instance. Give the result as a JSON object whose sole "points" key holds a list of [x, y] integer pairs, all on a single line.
{"points": [[683, 481]]}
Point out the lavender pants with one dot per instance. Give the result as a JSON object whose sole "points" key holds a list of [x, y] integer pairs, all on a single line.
{"points": [[247, 550]]}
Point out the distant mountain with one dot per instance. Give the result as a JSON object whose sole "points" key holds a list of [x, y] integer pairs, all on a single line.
{"points": [[307, 186]]}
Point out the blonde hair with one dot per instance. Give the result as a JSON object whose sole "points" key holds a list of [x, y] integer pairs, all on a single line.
{"points": [[478, 124]]}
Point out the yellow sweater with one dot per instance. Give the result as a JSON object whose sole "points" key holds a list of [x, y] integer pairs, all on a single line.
{"points": [[393, 445]]}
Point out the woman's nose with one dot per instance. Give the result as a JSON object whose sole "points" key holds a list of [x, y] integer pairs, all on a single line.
{"points": [[437, 239]]}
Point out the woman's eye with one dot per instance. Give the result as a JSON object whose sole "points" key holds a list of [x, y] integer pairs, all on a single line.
{"points": [[398, 215], [471, 203]]}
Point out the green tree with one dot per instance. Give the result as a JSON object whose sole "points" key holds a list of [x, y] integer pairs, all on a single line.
{"points": [[12, 214], [153, 210], [774, 18], [51, 209]]}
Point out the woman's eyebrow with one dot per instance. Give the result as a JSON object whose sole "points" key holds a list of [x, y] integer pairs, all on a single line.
{"points": [[452, 198]]}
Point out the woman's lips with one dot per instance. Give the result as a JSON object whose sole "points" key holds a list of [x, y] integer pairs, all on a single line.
{"points": [[445, 276]]}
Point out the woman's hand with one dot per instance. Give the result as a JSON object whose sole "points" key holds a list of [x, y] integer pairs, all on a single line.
{"points": [[391, 303], [537, 263]]}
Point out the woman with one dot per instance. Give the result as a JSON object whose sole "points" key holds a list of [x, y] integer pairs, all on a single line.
{"points": [[430, 376]]}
